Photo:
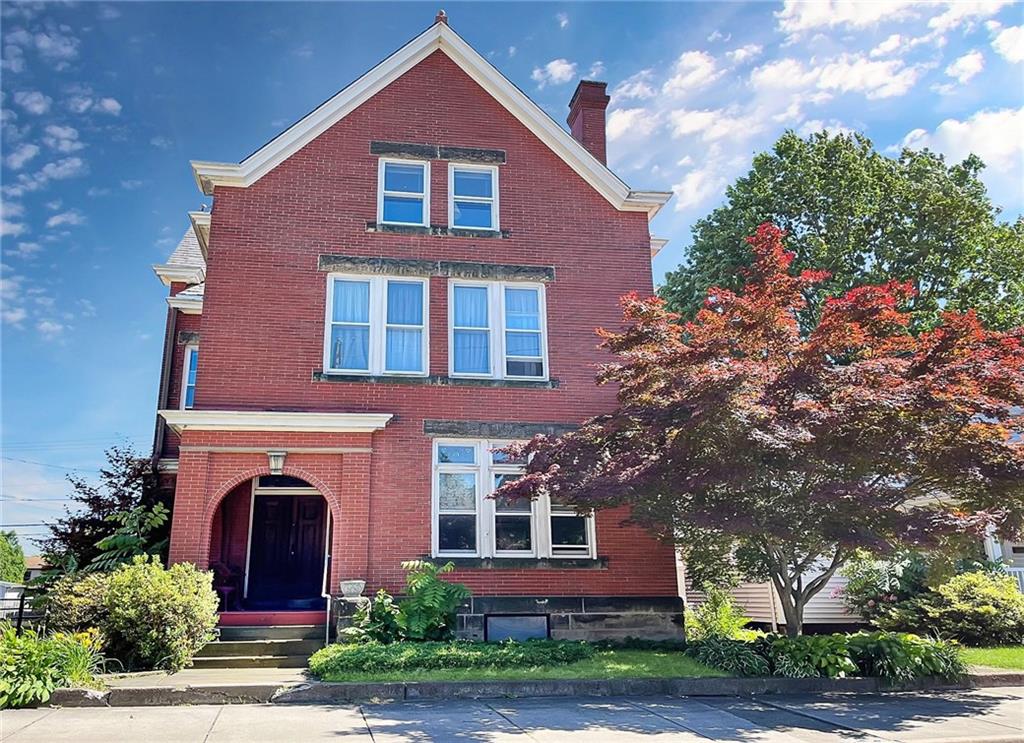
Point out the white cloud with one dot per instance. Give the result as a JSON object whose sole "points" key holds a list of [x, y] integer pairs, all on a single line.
{"points": [[108, 13], [965, 12], [717, 35], [693, 70], [304, 52], [57, 46], [79, 104], [965, 67], [71, 218], [161, 142], [745, 53], [13, 59], [563, 20], [109, 106], [634, 122], [797, 16], [50, 329], [13, 316], [874, 78], [783, 74], [635, 86], [891, 44], [556, 72], [33, 101], [511, 51], [713, 125], [68, 167], [697, 187], [11, 209], [62, 138], [11, 229], [1009, 44], [21, 155], [131, 185], [95, 191], [596, 70], [24, 250], [833, 127]]}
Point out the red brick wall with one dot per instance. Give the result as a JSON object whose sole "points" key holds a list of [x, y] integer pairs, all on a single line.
{"points": [[263, 318]]}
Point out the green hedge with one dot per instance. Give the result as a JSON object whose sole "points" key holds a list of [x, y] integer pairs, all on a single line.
{"points": [[374, 657]]}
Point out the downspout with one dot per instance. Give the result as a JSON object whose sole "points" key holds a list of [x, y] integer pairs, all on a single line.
{"points": [[165, 382], [324, 593]]}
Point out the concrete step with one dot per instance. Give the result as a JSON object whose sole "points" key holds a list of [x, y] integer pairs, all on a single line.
{"points": [[260, 647], [272, 632], [251, 661]]}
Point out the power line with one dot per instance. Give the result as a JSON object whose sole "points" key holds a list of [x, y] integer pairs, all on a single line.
{"points": [[51, 466]]}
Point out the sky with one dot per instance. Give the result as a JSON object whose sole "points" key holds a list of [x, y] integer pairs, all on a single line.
{"points": [[104, 105]]}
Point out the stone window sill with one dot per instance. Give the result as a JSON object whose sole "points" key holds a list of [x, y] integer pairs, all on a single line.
{"points": [[436, 380], [522, 563], [437, 230]]}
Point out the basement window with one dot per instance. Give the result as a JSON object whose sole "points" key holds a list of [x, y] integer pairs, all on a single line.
{"points": [[499, 627], [403, 192]]}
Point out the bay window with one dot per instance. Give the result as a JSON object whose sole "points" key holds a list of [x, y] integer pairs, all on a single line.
{"points": [[497, 330], [467, 522], [376, 325]]}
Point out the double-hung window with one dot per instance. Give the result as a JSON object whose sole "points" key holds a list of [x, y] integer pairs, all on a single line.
{"points": [[403, 192], [188, 377], [497, 330], [468, 522], [376, 325], [472, 197]]}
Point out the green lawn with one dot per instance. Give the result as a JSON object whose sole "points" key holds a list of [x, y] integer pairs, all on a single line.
{"points": [[605, 665], [1011, 657]]}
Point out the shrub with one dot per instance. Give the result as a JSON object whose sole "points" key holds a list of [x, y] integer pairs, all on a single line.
{"points": [[428, 611], [375, 621], [149, 616], [980, 608], [732, 656], [716, 617], [31, 667], [12, 558], [901, 656], [808, 656], [374, 657], [639, 643], [874, 587]]}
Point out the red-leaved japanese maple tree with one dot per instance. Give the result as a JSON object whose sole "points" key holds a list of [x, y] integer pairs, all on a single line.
{"points": [[779, 453]]}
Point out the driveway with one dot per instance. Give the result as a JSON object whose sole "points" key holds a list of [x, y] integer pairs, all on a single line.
{"points": [[981, 715]]}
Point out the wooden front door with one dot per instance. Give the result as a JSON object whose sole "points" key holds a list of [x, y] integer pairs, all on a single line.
{"points": [[286, 557]]}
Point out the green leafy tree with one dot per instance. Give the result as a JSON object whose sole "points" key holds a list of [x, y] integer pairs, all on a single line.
{"points": [[866, 218], [135, 535], [12, 558]]}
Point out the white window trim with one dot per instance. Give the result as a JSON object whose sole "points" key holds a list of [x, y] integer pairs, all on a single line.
{"points": [[496, 327], [402, 194], [493, 201], [190, 350], [378, 325], [484, 470]]}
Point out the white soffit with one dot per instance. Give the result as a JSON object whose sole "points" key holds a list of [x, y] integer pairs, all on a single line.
{"points": [[284, 421], [201, 226], [170, 272], [438, 36], [186, 303], [657, 243]]}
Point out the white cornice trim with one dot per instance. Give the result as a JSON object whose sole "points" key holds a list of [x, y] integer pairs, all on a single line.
{"points": [[167, 465], [657, 243], [187, 303], [254, 420], [439, 36], [201, 226], [169, 272]]}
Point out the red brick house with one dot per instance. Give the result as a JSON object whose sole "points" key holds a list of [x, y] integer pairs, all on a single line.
{"points": [[404, 279]]}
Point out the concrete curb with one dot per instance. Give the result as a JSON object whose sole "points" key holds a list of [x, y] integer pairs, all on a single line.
{"points": [[316, 692]]}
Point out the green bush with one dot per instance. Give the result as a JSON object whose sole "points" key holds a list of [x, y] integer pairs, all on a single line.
{"points": [[374, 657], [732, 656], [31, 667], [901, 656], [716, 617], [875, 587], [375, 621], [980, 608], [808, 656], [12, 558], [150, 616]]}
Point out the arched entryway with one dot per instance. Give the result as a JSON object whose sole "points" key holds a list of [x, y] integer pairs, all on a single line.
{"points": [[270, 546]]}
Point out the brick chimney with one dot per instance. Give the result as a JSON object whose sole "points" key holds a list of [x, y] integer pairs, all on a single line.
{"points": [[586, 117]]}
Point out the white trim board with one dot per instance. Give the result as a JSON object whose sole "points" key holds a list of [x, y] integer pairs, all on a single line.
{"points": [[437, 37], [188, 304], [170, 272], [257, 420]]}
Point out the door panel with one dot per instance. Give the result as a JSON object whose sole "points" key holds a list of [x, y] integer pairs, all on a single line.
{"points": [[286, 561]]}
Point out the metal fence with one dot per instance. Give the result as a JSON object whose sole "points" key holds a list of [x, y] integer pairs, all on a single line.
{"points": [[17, 606]]}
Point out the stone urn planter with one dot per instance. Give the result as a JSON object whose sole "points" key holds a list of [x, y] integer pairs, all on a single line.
{"points": [[351, 589]]}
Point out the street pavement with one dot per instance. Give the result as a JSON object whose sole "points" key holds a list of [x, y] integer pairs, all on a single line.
{"points": [[979, 716]]}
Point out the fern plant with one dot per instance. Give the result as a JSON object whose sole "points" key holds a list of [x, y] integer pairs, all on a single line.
{"points": [[133, 537], [428, 611]]}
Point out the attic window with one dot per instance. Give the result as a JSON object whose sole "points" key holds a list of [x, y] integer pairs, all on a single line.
{"points": [[472, 197], [403, 192]]}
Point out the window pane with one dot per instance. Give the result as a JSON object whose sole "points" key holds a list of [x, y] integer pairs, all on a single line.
{"points": [[456, 533], [457, 491], [470, 306], [403, 210], [500, 457], [501, 628], [193, 362], [512, 533], [406, 178], [456, 454], [471, 351], [569, 531], [522, 505], [522, 344], [524, 368], [351, 301], [405, 302], [190, 396], [473, 183], [404, 350], [522, 309], [350, 347], [472, 214]]}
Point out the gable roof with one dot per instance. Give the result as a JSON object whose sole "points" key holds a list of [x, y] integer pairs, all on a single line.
{"points": [[186, 264], [437, 37]]}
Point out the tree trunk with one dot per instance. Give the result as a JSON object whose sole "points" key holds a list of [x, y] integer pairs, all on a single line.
{"points": [[787, 578]]}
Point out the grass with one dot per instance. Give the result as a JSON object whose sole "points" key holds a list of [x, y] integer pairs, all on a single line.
{"points": [[1011, 657], [607, 664]]}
